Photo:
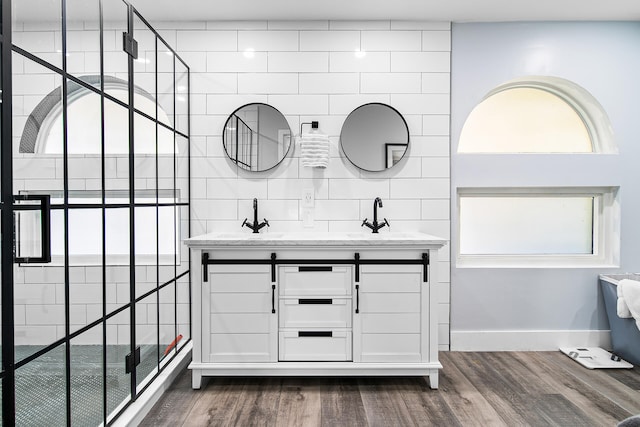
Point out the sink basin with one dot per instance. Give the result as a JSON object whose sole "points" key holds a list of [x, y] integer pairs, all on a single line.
{"points": [[382, 235], [239, 235]]}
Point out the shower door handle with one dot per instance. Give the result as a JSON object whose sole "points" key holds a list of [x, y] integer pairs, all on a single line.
{"points": [[24, 227]]}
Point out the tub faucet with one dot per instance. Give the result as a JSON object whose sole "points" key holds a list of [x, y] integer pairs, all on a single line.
{"points": [[255, 226], [375, 226]]}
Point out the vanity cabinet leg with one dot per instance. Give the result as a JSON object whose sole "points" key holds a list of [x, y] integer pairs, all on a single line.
{"points": [[196, 379], [433, 380]]}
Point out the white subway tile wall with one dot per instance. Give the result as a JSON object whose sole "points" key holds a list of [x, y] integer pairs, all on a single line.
{"points": [[322, 70], [311, 70]]}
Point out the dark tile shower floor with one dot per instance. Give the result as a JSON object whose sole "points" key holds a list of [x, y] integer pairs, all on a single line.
{"points": [[41, 384]]}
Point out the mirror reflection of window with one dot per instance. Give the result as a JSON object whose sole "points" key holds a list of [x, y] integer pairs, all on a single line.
{"points": [[256, 137], [43, 132], [374, 137]]}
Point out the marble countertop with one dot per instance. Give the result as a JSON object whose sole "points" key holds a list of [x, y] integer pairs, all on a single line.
{"points": [[313, 239]]}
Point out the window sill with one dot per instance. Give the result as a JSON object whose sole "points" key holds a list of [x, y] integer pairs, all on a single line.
{"points": [[533, 262]]}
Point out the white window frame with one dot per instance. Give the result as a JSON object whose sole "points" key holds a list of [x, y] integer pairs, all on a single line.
{"points": [[606, 230]]}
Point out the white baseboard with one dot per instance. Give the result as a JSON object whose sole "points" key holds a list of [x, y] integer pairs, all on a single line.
{"points": [[527, 340], [136, 412]]}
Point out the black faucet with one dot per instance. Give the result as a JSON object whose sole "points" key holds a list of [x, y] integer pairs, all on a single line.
{"points": [[375, 226], [255, 226]]}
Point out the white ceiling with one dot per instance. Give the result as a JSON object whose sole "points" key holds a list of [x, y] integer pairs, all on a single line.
{"points": [[414, 10]]}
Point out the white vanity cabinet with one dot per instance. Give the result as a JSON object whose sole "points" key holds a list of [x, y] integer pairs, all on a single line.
{"points": [[314, 304]]}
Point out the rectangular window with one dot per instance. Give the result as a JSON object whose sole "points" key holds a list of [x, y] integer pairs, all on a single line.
{"points": [[529, 227], [517, 225]]}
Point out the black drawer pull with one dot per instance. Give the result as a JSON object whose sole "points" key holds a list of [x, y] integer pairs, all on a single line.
{"points": [[273, 298], [315, 301], [304, 269], [315, 333]]}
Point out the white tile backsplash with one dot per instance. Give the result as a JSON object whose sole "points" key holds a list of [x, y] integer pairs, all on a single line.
{"points": [[34, 84], [196, 60], [225, 104], [423, 188], [35, 41], [420, 62], [435, 167], [432, 146], [391, 83], [436, 83], [370, 62], [236, 62], [211, 83], [292, 189], [329, 83], [337, 210], [436, 124], [268, 83], [202, 41], [300, 104], [340, 41], [359, 188], [391, 41], [435, 209], [436, 41], [44, 314], [268, 41], [300, 62]]}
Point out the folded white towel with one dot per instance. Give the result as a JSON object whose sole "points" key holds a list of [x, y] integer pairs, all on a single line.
{"points": [[622, 307], [314, 150], [630, 290]]}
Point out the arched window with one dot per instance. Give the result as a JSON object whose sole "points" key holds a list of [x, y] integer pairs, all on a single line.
{"points": [[537, 115]]}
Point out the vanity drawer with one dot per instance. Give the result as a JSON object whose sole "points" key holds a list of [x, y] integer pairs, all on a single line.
{"points": [[315, 280], [315, 345], [315, 313]]}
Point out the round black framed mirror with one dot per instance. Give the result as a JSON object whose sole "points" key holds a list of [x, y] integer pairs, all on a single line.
{"points": [[374, 137], [256, 137]]}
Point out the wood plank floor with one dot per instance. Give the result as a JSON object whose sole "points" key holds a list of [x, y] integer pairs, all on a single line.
{"points": [[476, 389]]}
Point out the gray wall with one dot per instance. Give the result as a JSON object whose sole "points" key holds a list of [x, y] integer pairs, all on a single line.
{"points": [[604, 58]]}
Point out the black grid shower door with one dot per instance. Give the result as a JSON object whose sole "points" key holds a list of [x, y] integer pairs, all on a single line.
{"points": [[95, 201]]}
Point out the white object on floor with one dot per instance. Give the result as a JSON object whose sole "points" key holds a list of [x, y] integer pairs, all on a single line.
{"points": [[595, 358], [630, 290]]}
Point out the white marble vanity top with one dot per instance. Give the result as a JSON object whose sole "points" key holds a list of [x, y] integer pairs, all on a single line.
{"points": [[298, 239]]}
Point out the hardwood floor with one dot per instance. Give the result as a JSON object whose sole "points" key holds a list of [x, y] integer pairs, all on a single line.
{"points": [[476, 389]]}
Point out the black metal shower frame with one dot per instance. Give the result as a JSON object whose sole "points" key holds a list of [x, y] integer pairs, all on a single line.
{"points": [[9, 364]]}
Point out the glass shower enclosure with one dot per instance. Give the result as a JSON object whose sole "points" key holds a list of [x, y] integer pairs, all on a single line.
{"points": [[95, 197]]}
